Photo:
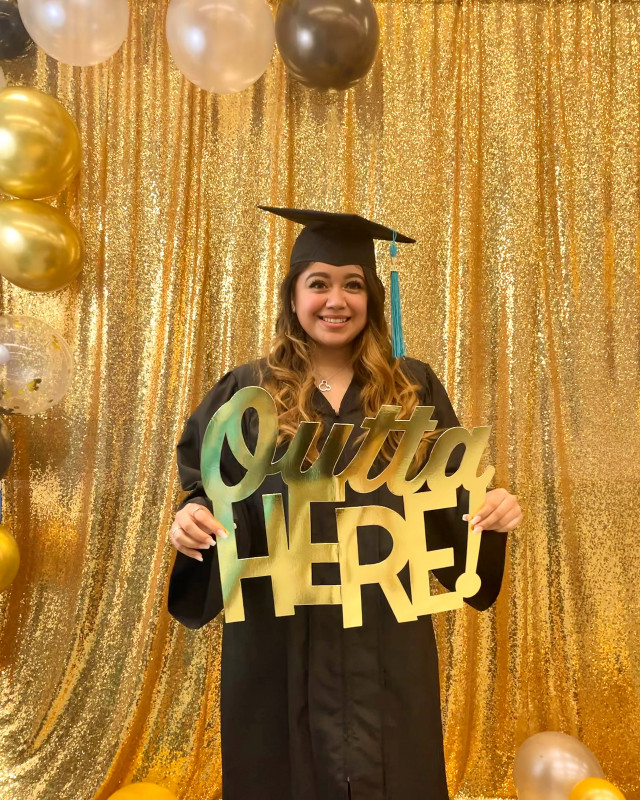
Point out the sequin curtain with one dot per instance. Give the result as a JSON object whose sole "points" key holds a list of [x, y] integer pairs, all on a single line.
{"points": [[505, 136]]}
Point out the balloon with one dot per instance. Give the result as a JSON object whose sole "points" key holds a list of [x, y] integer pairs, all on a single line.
{"points": [[222, 46], [14, 39], [9, 558], [40, 249], [77, 32], [6, 449], [595, 789], [143, 791], [327, 45], [548, 765], [3, 80], [39, 144], [39, 370]]}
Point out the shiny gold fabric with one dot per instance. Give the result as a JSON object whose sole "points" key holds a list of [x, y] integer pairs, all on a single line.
{"points": [[504, 136]]}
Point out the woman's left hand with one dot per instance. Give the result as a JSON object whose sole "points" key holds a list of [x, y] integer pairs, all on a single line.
{"points": [[500, 512]]}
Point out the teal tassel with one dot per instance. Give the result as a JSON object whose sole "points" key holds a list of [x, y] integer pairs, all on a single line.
{"points": [[397, 337]]}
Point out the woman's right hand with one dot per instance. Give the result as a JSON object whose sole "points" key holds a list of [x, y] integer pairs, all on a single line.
{"points": [[194, 529]]}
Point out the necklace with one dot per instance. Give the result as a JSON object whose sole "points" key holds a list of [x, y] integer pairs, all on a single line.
{"points": [[324, 384]]}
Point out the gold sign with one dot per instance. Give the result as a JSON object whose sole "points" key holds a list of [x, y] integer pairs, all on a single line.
{"points": [[291, 552]]}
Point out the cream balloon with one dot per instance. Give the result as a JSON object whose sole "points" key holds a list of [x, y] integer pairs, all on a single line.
{"points": [[548, 765], [222, 46], [77, 32]]}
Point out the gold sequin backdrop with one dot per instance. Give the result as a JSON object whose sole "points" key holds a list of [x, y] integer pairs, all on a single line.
{"points": [[505, 136]]}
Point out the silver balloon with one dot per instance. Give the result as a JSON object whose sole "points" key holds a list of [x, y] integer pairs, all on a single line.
{"points": [[222, 46], [77, 32], [39, 367], [548, 765]]}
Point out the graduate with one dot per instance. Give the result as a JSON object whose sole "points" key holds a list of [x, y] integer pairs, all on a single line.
{"points": [[311, 710]]}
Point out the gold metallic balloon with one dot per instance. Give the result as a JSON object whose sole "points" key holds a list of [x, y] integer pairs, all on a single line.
{"points": [[40, 149], [9, 558], [143, 791], [40, 249], [595, 789]]}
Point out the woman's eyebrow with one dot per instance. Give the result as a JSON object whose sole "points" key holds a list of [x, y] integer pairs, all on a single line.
{"points": [[328, 277], [317, 275]]}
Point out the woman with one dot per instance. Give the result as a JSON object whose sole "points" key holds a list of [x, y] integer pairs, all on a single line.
{"points": [[311, 710]]}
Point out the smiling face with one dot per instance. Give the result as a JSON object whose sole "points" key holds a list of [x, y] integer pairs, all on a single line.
{"points": [[331, 303]]}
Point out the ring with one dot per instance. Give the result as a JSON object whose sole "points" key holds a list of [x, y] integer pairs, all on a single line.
{"points": [[172, 533]]}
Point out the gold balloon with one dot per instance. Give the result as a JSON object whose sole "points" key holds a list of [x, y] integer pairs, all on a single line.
{"points": [[595, 789], [9, 558], [40, 149], [143, 791], [40, 249]]}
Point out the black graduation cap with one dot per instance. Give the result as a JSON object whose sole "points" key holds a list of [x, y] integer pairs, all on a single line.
{"points": [[337, 239]]}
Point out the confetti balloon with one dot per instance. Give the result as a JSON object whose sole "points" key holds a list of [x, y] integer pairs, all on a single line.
{"points": [[595, 789], [143, 791], [9, 558], [40, 148], [38, 371], [548, 765]]}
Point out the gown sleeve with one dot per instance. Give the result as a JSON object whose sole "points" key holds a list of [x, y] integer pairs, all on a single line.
{"points": [[446, 525], [195, 595]]}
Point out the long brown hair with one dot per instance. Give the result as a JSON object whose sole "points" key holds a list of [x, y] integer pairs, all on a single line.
{"points": [[289, 374]]}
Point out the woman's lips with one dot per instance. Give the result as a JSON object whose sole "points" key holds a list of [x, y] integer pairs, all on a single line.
{"points": [[334, 322]]}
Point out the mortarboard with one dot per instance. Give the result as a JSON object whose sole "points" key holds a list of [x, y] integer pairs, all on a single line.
{"points": [[341, 239], [337, 239]]}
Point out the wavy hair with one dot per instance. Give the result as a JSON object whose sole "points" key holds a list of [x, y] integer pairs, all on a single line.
{"points": [[289, 374]]}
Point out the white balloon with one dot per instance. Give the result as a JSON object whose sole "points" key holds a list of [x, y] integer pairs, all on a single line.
{"points": [[77, 32], [222, 46], [549, 764]]}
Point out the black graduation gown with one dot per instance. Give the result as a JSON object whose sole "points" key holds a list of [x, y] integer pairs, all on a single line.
{"points": [[309, 709]]}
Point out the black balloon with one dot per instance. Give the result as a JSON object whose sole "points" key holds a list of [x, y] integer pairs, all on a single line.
{"points": [[327, 44], [6, 449], [14, 39]]}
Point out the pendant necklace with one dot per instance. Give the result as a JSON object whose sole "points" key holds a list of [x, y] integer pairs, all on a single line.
{"points": [[324, 384]]}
